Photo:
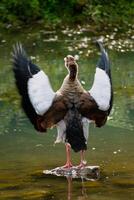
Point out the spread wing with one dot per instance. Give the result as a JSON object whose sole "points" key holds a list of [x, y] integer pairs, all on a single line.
{"points": [[35, 89], [96, 104], [101, 90]]}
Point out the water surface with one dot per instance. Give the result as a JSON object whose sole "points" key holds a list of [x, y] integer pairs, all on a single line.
{"points": [[24, 153]]}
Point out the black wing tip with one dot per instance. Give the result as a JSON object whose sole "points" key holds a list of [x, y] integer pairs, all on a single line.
{"points": [[18, 51], [99, 44], [103, 62]]}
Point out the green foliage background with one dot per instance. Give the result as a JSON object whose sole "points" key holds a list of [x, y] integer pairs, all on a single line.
{"points": [[55, 12]]}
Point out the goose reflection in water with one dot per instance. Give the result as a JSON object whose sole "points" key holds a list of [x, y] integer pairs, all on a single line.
{"points": [[88, 173]]}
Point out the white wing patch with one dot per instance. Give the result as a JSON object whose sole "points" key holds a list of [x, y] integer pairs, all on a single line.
{"points": [[101, 89], [40, 92]]}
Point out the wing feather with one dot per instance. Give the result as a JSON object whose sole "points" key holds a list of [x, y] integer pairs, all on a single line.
{"points": [[101, 90], [33, 85], [40, 92]]}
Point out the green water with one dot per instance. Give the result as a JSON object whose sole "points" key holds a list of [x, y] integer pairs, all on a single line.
{"points": [[24, 153]]}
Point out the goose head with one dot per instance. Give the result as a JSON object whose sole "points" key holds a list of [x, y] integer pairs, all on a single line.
{"points": [[72, 66]]}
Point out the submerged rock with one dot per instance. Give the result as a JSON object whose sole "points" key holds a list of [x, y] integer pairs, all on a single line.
{"points": [[87, 172]]}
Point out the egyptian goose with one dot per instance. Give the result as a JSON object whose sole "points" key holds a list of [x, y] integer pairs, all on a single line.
{"points": [[71, 108]]}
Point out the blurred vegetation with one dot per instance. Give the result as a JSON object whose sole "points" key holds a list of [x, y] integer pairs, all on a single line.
{"points": [[57, 12]]}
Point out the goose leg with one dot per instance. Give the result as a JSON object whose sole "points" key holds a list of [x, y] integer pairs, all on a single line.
{"points": [[83, 161], [68, 156]]}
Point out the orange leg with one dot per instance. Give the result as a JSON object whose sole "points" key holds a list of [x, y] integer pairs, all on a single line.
{"points": [[68, 155], [83, 162]]}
